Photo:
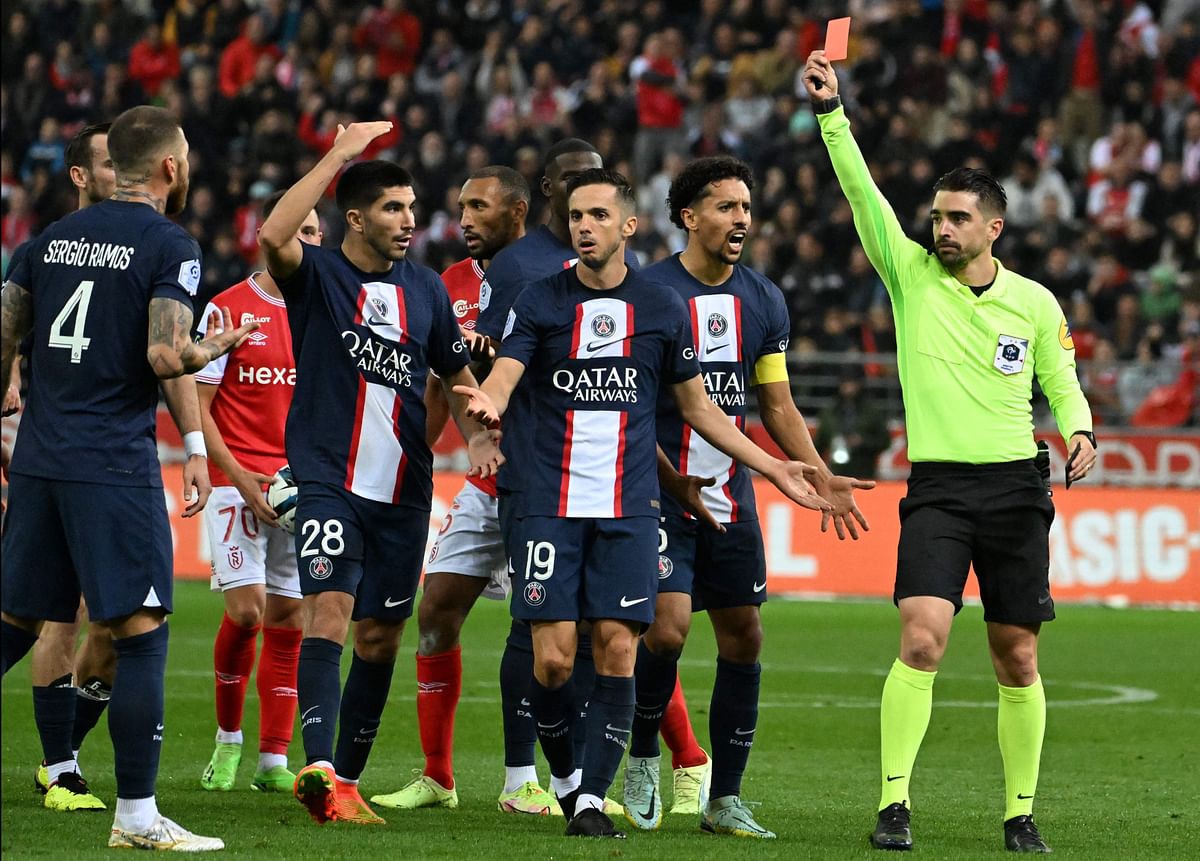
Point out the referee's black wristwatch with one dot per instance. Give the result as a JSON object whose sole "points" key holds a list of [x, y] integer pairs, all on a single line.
{"points": [[824, 106], [1091, 437]]}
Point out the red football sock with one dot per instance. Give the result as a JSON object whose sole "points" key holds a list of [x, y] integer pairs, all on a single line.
{"points": [[277, 688], [677, 732], [233, 659], [439, 684]]}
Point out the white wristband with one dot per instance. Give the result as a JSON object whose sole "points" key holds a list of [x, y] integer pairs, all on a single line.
{"points": [[193, 444]]}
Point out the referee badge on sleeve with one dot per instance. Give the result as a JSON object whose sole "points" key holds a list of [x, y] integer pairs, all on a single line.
{"points": [[1010, 354]]}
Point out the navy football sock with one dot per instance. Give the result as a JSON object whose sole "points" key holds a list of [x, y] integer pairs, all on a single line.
{"points": [[552, 712], [516, 674], [15, 643], [610, 720], [319, 691], [732, 719], [363, 699], [655, 677], [583, 681], [54, 714], [91, 699], [135, 715]]}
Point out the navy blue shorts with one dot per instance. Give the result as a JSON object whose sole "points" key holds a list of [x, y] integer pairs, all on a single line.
{"points": [[572, 568], [371, 550], [64, 538], [720, 570]]}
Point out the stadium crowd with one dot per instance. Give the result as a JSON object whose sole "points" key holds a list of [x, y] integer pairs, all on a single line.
{"points": [[1088, 110]]}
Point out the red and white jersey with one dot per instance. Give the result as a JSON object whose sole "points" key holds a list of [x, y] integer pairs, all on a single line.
{"points": [[463, 280], [256, 381], [462, 283]]}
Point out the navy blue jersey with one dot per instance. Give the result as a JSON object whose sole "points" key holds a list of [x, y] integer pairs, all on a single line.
{"points": [[733, 325], [536, 255], [90, 415], [364, 343], [595, 362]]}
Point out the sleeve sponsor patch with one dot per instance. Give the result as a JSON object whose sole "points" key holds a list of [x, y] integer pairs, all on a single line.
{"points": [[509, 324], [1064, 336], [189, 276], [485, 295]]}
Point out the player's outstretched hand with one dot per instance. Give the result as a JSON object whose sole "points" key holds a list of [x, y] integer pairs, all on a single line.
{"points": [[839, 490], [221, 334], [819, 69], [12, 400], [483, 451], [480, 346], [195, 477], [251, 487], [351, 140], [479, 406], [791, 477], [687, 492]]}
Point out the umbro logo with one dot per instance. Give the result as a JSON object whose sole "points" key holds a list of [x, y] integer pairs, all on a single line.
{"points": [[430, 687]]}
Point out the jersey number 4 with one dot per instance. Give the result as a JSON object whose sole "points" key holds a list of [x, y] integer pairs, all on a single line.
{"points": [[76, 342]]}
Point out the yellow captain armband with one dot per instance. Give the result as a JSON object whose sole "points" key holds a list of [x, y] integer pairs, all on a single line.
{"points": [[771, 368]]}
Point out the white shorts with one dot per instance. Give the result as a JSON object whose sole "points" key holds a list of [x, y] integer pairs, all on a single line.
{"points": [[244, 552], [469, 542]]}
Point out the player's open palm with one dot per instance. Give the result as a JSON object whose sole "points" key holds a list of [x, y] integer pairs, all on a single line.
{"points": [[351, 140], [483, 452], [222, 336], [250, 485], [688, 493], [792, 480], [845, 516], [479, 406]]}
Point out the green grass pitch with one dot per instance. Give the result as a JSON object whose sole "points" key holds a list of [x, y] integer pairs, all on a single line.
{"points": [[1120, 771]]}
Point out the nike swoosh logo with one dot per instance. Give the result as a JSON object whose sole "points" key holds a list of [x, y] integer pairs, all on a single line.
{"points": [[625, 602], [593, 346], [649, 814], [890, 778], [159, 728], [388, 602], [758, 587], [1024, 797], [743, 732], [365, 731], [306, 711], [1043, 599], [549, 725], [525, 703], [612, 728], [714, 348]]}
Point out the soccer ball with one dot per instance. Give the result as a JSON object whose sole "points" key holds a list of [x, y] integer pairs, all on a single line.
{"points": [[281, 496]]}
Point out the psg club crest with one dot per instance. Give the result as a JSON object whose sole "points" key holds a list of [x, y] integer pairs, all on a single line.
{"points": [[665, 567], [320, 568], [603, 326], [235, 557], [1010, 354], [378, 315], [717, 325], [535, 593]]}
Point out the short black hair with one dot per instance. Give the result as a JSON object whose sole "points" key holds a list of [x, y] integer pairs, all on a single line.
{"points": [[79, 150], [604, 176], [139, 135], [362, 184], [694, 182], [978, 182], [271, 202], [565, 146], [512, 183]]}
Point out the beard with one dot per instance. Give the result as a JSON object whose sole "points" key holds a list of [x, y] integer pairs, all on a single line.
{"points": [[177, 198], [955, 258]]}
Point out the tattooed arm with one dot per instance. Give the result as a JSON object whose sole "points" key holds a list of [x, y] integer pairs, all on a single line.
{"points": [[170, 349], [17, 320]]}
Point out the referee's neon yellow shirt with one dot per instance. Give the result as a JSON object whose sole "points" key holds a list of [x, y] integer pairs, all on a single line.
{"points": [[966, 363]]}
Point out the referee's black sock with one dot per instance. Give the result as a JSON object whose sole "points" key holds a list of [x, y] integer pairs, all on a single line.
{"points": [[583, 681], [655, 677], [15, 643], [516, 676], [135, 716], [610, 720], [319, 692], [54, 714], [363, 699], [732, 719]]}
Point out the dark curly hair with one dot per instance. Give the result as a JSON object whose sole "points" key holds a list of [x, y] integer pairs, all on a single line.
{"points": [[695, 181]]}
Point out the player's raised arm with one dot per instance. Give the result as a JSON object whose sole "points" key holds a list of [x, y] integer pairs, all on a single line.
{"points": [[707, 419], [16, 319], [170, 349], [278, 234]]}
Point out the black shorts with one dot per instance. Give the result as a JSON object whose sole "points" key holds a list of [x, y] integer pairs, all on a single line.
{"points": [[995, 516]]}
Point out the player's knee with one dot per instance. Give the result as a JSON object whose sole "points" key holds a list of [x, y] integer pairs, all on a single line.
{"points": [[666, 643], [245, 615], [378, 644], [553, 671]]}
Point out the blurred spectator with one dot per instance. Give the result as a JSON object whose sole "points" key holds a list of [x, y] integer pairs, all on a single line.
{"points": [[1116, 201], [659, 80], [1029, 186], [153, 60], [47, 152], [851, 432], [395, 35], [1100, 379], [1137, 380], [1161, 300], [240, 59]]}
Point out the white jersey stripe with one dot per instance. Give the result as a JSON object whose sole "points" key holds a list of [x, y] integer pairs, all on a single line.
{"points": [[716, 324], [595, 442], [699, 457], [377, 459], [603, 329]]}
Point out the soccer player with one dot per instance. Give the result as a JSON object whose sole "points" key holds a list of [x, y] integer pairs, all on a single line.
{"points": [[367, 326], [545, 251], [66, 713], [245, 397], [467, 559], [971, 335], [599, 341], [91, 516], [740, 329]]}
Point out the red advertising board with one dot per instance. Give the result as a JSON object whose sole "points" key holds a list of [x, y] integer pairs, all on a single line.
{"points": [[1112, 545]]}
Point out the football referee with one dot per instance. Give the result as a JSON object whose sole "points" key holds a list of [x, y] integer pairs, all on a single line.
{"points": [[971, 335]]}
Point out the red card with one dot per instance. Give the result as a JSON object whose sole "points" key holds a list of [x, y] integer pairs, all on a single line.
{"points": [[837, 39]]}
